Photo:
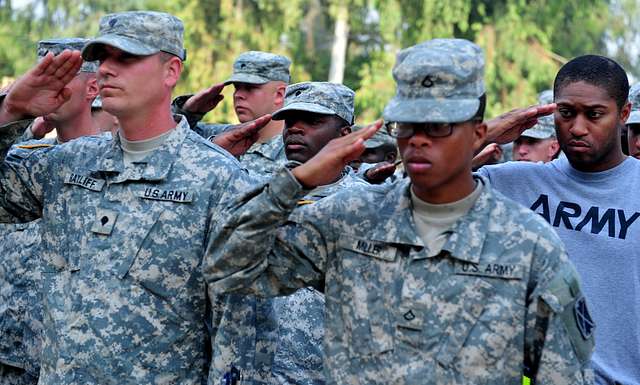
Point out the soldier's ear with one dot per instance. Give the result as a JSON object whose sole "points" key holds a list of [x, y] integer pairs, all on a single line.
{"points": [[479, 135], [625, 112], [346, 130], [92, 88], [173, 69], [280, 93]]}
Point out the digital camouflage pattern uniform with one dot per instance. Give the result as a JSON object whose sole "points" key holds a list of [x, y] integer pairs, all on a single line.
{"points": [[252, 67], [122, 246], [500, 299], [20, 304], [545, 128], [279, 340], [634, 99], [20, 301]]}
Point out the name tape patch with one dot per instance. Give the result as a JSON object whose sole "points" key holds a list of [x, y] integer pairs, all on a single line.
{"points": [[493, 270], [375, 249], [167, 195], [84, 181]]}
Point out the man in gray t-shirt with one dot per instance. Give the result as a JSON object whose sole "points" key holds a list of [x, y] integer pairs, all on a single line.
{"points": [[591, 198]]}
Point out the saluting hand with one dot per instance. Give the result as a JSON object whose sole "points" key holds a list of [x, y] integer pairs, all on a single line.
{"points": [[507, 127], [205, 100], [42, 89], [488, 155], [41, 127], [327, 164], [242, 136], [380, 172]]}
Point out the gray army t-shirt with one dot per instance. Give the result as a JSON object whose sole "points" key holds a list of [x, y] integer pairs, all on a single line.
{"points": [[597, 216]]}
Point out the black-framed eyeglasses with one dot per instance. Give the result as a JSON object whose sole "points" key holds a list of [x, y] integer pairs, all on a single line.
{"points": [[406, 130]]}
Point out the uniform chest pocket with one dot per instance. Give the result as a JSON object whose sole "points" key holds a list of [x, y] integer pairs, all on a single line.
{"points": [[368, 270], [66, 217], [480, 327]]}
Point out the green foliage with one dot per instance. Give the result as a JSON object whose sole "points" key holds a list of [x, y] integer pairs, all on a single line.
{"points": [[525, 41]]}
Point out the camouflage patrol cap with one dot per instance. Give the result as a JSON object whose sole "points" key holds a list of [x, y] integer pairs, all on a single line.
{"points": [[439, 81], [634, 99], [138, 33], [380, 138], [319, 97], [545, 128], [255, 67], [56, 46]]}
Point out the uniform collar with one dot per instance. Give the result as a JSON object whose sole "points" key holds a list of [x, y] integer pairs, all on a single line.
{"points": [[396, 223], [272, 149], [467, 235], [347, 180], [156, 166]]}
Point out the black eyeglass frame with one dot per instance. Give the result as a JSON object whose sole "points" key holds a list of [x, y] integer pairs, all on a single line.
{"points": [[404, 130]]}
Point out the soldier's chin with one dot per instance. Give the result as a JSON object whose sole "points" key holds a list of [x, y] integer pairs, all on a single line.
{"points": [[298, 156], [111, 106], [244, 116]]}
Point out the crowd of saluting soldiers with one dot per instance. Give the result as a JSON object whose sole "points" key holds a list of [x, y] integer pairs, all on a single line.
{"points": [[140, 245]]}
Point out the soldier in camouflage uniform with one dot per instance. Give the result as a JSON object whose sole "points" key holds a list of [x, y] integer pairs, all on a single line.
{"points": [[260, 79], [434, 279], [279, 340], [20, 305], [539, 143], [377, 164], [126, 221], [633, 123]]}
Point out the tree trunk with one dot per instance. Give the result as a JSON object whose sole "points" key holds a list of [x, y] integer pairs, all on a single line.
{"points": [[339, 46]]}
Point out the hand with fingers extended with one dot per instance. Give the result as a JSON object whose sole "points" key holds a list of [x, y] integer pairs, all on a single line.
{"points": [[241, 137], [43, 88], [326, 166], [491, 154], [507, 127], [380, 172], [41, 127], [205, 100]]}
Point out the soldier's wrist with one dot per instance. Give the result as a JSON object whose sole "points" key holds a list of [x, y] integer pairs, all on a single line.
{"points": [[11, 111]]}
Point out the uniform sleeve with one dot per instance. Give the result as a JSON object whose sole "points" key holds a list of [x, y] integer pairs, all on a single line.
{"points": [[484, 171], [208, 130], [193, 118], [177, 108], [258, 250], [22, 175], [559, 332], [11, 133]]}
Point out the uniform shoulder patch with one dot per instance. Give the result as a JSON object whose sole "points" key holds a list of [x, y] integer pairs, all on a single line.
{"points": [[583, 318]]}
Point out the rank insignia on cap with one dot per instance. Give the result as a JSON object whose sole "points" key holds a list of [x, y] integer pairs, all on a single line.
{"points": [[427, 81], [583, 318]]}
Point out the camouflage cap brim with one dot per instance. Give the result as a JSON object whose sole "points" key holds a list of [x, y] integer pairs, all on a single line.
{"points": [[373, 143], [126, 44], [301, 106], [430, 110], [246, 78], [634, 117], [537, 133]]}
